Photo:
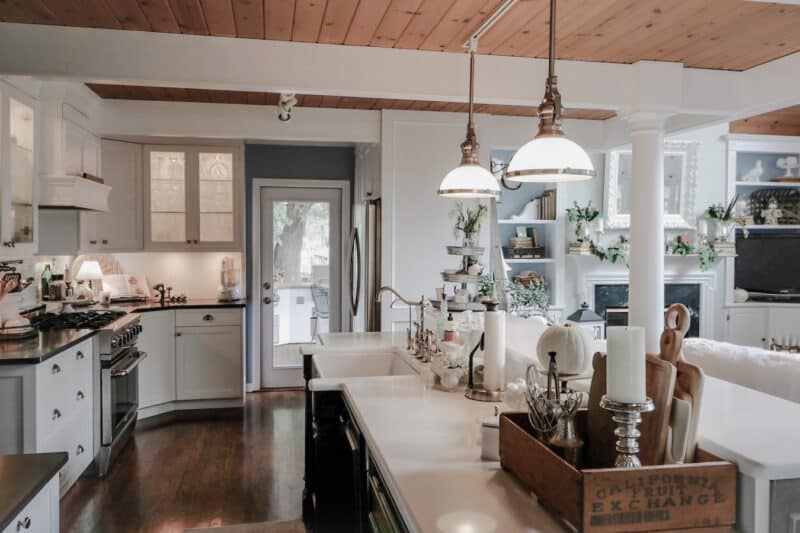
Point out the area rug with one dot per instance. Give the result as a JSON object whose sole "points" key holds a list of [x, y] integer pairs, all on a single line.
{"points": [[295, 526]]}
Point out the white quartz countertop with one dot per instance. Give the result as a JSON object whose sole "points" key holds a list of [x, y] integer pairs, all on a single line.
{"points": [[757, 431], [426, 443]]}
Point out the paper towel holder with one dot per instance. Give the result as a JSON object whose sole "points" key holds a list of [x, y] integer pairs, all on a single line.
{"points": [[473, 392]]}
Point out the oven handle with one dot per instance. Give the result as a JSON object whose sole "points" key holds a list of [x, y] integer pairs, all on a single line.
{"points": [[130, 364]]}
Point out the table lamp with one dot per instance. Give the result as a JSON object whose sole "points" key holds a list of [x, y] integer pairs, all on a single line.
{"points": [[90, 271]]}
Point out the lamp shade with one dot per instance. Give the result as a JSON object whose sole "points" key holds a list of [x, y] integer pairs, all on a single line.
{"points": [[549, 159], [90, 270], [469, 181]]}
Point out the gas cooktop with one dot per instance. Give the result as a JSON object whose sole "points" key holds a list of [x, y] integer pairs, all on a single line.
{"points": [[80, 320]]}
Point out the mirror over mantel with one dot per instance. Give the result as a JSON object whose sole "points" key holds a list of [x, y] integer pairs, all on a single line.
{"points": [[680, 181]]}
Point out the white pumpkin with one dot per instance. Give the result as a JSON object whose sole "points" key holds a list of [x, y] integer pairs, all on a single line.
{"points": [[573, 346]]}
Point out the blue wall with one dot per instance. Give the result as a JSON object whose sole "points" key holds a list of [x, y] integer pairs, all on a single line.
{"points": [[286, 162]]}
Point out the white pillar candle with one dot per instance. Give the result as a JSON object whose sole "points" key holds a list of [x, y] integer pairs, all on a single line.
{"points": [[626, 365], [494, 350]]}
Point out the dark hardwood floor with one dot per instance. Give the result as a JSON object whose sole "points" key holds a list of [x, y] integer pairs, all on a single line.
{"points": [[200, 473]]}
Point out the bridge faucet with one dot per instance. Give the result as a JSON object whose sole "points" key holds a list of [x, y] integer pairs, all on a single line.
{"points": [[414, 343]]}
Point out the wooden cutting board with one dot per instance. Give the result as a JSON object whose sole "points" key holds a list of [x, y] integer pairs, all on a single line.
{"points": [[654, 427]]}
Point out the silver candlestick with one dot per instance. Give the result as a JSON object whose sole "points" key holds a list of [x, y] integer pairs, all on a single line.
{"points": [[627, 416]]}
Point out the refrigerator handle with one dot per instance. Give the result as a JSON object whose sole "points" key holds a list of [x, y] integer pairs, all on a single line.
{"points": [[354, 280]]}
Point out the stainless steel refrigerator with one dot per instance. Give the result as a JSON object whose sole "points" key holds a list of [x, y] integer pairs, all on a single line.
{"points": [[364, 266]]}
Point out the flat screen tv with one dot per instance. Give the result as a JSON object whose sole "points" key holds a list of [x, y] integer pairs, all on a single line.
{"points": [[768, 264]]}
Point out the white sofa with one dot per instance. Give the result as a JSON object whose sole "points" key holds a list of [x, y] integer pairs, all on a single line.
{"points": [[775, 373]]}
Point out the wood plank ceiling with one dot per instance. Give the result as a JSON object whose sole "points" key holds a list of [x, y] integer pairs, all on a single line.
{"points": [[714, 34], [781, 122], [171, 94]]}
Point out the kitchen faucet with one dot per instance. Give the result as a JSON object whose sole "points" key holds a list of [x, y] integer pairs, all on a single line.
{"points": [[162, 291], [416, 343]]}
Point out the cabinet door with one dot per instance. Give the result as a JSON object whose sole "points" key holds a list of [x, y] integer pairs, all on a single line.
{"points": [[166, 172], [783, 325], [120, 229], [157, 371], [218, 198], [747, 327], [209, 363], [19, 168]]}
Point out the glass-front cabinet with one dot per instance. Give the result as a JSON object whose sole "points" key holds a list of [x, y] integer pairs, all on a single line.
{"points": [[17, 172], [193, 197]]}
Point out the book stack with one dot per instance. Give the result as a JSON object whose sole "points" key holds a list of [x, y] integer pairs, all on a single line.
{"points": [[578, 248], [725, 249], [546, 204], [522, 242]]}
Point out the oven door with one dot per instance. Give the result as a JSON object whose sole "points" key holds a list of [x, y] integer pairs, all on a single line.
{"points": [[120, 390]]}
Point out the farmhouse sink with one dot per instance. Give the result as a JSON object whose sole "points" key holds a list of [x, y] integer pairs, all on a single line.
{"points": [[361, 365]]}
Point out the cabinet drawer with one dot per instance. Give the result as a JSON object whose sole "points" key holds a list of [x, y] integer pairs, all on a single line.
{"points": [[39, 516], [75, 438], [64, 385], [208, 317]]}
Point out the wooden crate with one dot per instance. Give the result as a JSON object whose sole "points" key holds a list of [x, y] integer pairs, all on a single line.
{"points": [[700, 496]]}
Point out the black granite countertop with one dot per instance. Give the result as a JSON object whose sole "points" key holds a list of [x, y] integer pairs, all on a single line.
{"points": [[22, 477], [43, 346], [194, 303]]}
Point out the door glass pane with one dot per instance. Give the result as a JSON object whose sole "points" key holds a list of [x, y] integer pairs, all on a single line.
{"points": [[21, 160], [301, 237], [167, 196], [216, 197]]}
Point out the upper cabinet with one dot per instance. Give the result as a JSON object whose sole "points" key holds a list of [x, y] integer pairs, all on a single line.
{"points": [[193, 197], [17, 172], [120, 229]]}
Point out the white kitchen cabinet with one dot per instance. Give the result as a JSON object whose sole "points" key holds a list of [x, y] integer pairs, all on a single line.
{"points": [[120, 229], [41, 514], [81, 148], [193, 197], [209, 362], [18, 153], [746, 327], [48, 407], [157, 370]]}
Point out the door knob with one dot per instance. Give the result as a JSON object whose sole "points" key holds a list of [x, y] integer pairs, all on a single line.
{"points": [[267, 300], [267, 285]]}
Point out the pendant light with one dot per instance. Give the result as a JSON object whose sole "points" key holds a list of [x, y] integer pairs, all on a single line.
{"points": [[550, 157], [470, 179]]}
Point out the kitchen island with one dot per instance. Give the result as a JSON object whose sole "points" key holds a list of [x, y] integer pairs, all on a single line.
{"points": [[423, 446]]}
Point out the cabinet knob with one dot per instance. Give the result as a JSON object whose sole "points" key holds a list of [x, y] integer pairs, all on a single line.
{"points": [[208, 318], [104, 241], [267, 285], [267, 300], [188, 241], [79, 355], [92, 242], [25, 523], [79, 450], [55, 369], [178, 333], [80, 395], [56, 414], [196, 241]]}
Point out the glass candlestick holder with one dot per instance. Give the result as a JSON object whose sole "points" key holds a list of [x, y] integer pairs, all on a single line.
{"points": [[627, 416]]}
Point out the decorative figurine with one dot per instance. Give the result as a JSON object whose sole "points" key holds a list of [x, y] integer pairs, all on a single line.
{"points": [[755, 173], [772, 214]]}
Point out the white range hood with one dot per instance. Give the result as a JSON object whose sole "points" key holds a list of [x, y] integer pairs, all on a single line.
{"points": [[73, 192]]}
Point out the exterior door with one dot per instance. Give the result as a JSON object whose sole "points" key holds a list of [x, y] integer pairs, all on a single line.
{"points": [[300, 293]]}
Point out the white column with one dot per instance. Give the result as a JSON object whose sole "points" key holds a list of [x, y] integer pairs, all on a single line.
{"points": [[646, 297]]}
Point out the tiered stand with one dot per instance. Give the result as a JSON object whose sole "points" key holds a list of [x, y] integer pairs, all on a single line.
{"points": [[462, 278]]}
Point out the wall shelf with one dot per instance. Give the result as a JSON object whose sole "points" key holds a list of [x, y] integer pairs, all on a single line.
{"points": [[767, 184], [529, 261], [772, 227], [525, 222]]}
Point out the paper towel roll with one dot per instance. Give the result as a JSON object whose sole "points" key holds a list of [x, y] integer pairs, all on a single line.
{"points": [[494, 350]]}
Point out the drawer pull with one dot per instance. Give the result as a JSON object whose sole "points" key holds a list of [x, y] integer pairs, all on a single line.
{"points": [[80, 395], [79, 450], [92, 242], [105, 241], [208, 318], [56, 414], [55, 370], [79, 355], [25, 523]]}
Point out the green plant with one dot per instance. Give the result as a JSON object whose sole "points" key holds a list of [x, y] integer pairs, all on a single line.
{"points": [[468, 221], [725, 215], [486, 287], [533, 295], [583, 214], [612, 254], [682, 247], [706, 255]]}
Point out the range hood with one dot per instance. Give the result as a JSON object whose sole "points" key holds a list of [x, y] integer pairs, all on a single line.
{"points": [[73, 192]]}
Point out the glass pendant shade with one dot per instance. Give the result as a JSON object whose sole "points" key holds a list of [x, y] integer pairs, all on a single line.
{"points": [[469, 181], [548, 159]]}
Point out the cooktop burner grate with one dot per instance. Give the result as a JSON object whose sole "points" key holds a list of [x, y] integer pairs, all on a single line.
{"points": [[81, 320]]}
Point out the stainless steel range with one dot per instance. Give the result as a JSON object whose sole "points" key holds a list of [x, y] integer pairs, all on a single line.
{"points": [[116, 375]]}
